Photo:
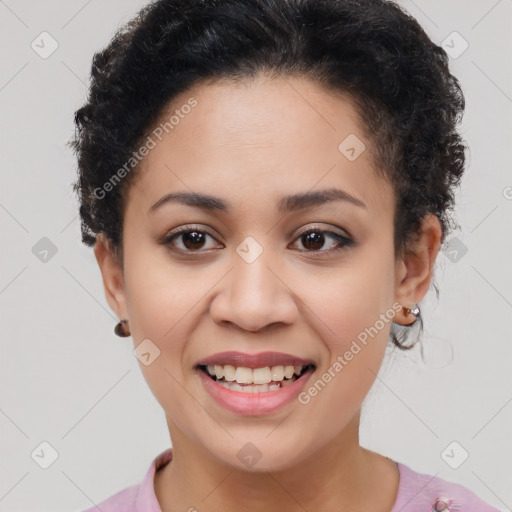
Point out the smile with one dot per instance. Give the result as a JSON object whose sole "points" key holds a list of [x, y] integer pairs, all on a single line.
{"points": [[254, 380], [237, 389]]}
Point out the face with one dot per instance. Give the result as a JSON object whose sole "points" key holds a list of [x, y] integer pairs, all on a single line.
{"points": [[257, 272]]}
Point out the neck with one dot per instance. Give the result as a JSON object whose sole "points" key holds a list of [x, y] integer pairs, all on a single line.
{"points": [[342, 475]]}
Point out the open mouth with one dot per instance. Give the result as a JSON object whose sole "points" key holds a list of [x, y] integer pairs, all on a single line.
{"points": [[256, 380]]}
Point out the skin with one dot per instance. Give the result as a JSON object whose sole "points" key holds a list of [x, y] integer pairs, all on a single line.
{"points": [[251, 143]]}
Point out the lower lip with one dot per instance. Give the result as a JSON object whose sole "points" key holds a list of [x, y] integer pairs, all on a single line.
{"points": [[254, 403]]}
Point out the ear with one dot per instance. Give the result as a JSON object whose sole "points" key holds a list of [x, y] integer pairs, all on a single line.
{"points": [[414, 269], [112, 273]]}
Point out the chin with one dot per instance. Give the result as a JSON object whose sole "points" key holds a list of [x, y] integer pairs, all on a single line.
{"points": [[259, 457]]}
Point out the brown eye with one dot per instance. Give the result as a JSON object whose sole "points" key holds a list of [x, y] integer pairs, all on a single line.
{"points": [[314, 239], [191, 240], [188, 239]]}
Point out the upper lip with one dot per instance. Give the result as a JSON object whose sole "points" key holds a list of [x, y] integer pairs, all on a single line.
{"points": [[259, 360]]}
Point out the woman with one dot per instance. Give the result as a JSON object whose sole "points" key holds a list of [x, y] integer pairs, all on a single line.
{"points": [[267, 185]]}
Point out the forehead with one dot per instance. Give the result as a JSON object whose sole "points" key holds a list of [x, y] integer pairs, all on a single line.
{"points": [[259, 139]]}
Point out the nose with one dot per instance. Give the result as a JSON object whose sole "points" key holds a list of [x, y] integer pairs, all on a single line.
{"points": [[254, 295]]}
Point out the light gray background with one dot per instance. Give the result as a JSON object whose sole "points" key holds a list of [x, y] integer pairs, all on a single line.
{"points": [[68, 380]]}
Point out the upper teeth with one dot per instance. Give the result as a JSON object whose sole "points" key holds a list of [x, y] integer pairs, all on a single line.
{"points": [[244, 375]]}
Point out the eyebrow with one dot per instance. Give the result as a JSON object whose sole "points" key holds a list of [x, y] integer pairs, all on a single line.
{"points": [[284, 205]]}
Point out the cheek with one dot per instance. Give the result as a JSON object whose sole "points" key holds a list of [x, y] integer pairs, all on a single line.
{"points": [[355, 336], [350, 301], [353, 314], [160, 293], [160, 301], [161, 309]]}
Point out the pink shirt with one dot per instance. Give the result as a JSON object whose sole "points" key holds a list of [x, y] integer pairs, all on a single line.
{"points": [[417, 492]]}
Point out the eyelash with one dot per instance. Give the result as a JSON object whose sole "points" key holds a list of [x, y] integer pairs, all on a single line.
{"points": [[343, 242]]}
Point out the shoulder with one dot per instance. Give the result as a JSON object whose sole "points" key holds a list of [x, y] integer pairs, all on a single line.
{"points": [[122, 501], [140, 497], [419, 491]]}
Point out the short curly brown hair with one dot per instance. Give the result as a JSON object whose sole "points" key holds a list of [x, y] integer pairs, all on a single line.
{"points": [[371, 50]]}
